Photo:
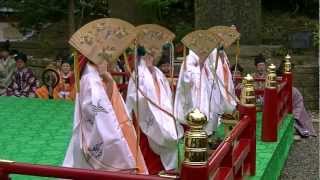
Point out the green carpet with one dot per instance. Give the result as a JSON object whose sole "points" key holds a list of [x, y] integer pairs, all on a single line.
{"points": [[271, 157], [34, 130], [38, 131]]}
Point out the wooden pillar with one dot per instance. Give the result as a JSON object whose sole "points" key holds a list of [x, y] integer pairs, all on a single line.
{"points": [[245, 14], [270, 115]]}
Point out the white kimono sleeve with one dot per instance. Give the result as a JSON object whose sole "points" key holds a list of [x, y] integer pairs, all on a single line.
{"points": [[102, 141]]}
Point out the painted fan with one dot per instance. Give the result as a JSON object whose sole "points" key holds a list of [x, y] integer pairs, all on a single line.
{"points": [[103, 39], [201, 42], [152, 37], [229, 34]]}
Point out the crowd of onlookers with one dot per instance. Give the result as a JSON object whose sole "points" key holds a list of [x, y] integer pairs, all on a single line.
{"points": [[17, 79]]}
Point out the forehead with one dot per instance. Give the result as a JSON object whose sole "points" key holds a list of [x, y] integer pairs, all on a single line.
{"points": [[19, 60], [261, 64]]}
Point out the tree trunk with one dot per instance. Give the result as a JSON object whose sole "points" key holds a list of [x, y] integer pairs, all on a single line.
{"points": [[71, 17], [245, 14]]}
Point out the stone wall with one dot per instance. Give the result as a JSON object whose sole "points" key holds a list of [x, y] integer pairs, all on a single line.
{"points": [[306, 79], [245, 14], [128, 10]]}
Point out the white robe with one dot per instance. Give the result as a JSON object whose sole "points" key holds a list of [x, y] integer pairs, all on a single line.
{"points": [[158, 126], [227, 104], [97, 141], [193, 91], [199, 88]]}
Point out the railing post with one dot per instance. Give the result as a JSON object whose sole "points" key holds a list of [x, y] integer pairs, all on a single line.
{"points": [[3, 175], [196, 148], [270, 108], [288, 77], [248, 108]]}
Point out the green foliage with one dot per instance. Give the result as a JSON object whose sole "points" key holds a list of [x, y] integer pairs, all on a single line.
{"points": [[316, 39], [182, 29], [35, 13], [276, 27], [32, 13], [308, 8], [156, 10], [177, 15]]}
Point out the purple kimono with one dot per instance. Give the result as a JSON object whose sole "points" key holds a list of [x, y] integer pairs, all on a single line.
{"points": [[23, 83], [303, 123]]}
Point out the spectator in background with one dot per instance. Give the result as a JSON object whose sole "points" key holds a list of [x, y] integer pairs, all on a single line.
{"points": [[164, 66], [239, 71], [7, 68], [261, 72], [65, 89], [23, 82], [303, 123]]}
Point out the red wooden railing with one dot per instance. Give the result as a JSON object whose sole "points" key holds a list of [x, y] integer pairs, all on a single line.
{"points": [[235, 157], [66, 173], [238, 79], [125, 77], [277, 103]]}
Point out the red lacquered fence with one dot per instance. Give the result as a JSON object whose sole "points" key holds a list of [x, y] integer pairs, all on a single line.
{"points": [[235, 157], [258, 91], [277, 104]]}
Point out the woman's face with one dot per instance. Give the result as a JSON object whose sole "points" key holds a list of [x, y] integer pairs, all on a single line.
{"points": [[65, 68], [149, 58], [165, 68], [20, 64]]}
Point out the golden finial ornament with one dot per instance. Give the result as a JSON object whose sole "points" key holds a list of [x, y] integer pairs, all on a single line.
{"points": [[248, 97], [271, 81], [229, 121], [196, 139], [287, 64]]}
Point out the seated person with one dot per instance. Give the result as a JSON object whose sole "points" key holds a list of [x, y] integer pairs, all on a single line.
{"points": [[65, 88], [165, 67], [303, 122], [23, 83], [7, 68], [261, 72], [50, 79]]}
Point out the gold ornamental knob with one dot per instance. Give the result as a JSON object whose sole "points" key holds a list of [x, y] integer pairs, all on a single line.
{"points": [[248, 97], [196, 139], [196, 120], [271, 81], [287, 64]]}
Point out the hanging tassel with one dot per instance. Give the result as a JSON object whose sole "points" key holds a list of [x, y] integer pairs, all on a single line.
{"points": [[76, 70], [137, 96], [126, 61], [184, 58], [172, 65], [237, 56]]}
